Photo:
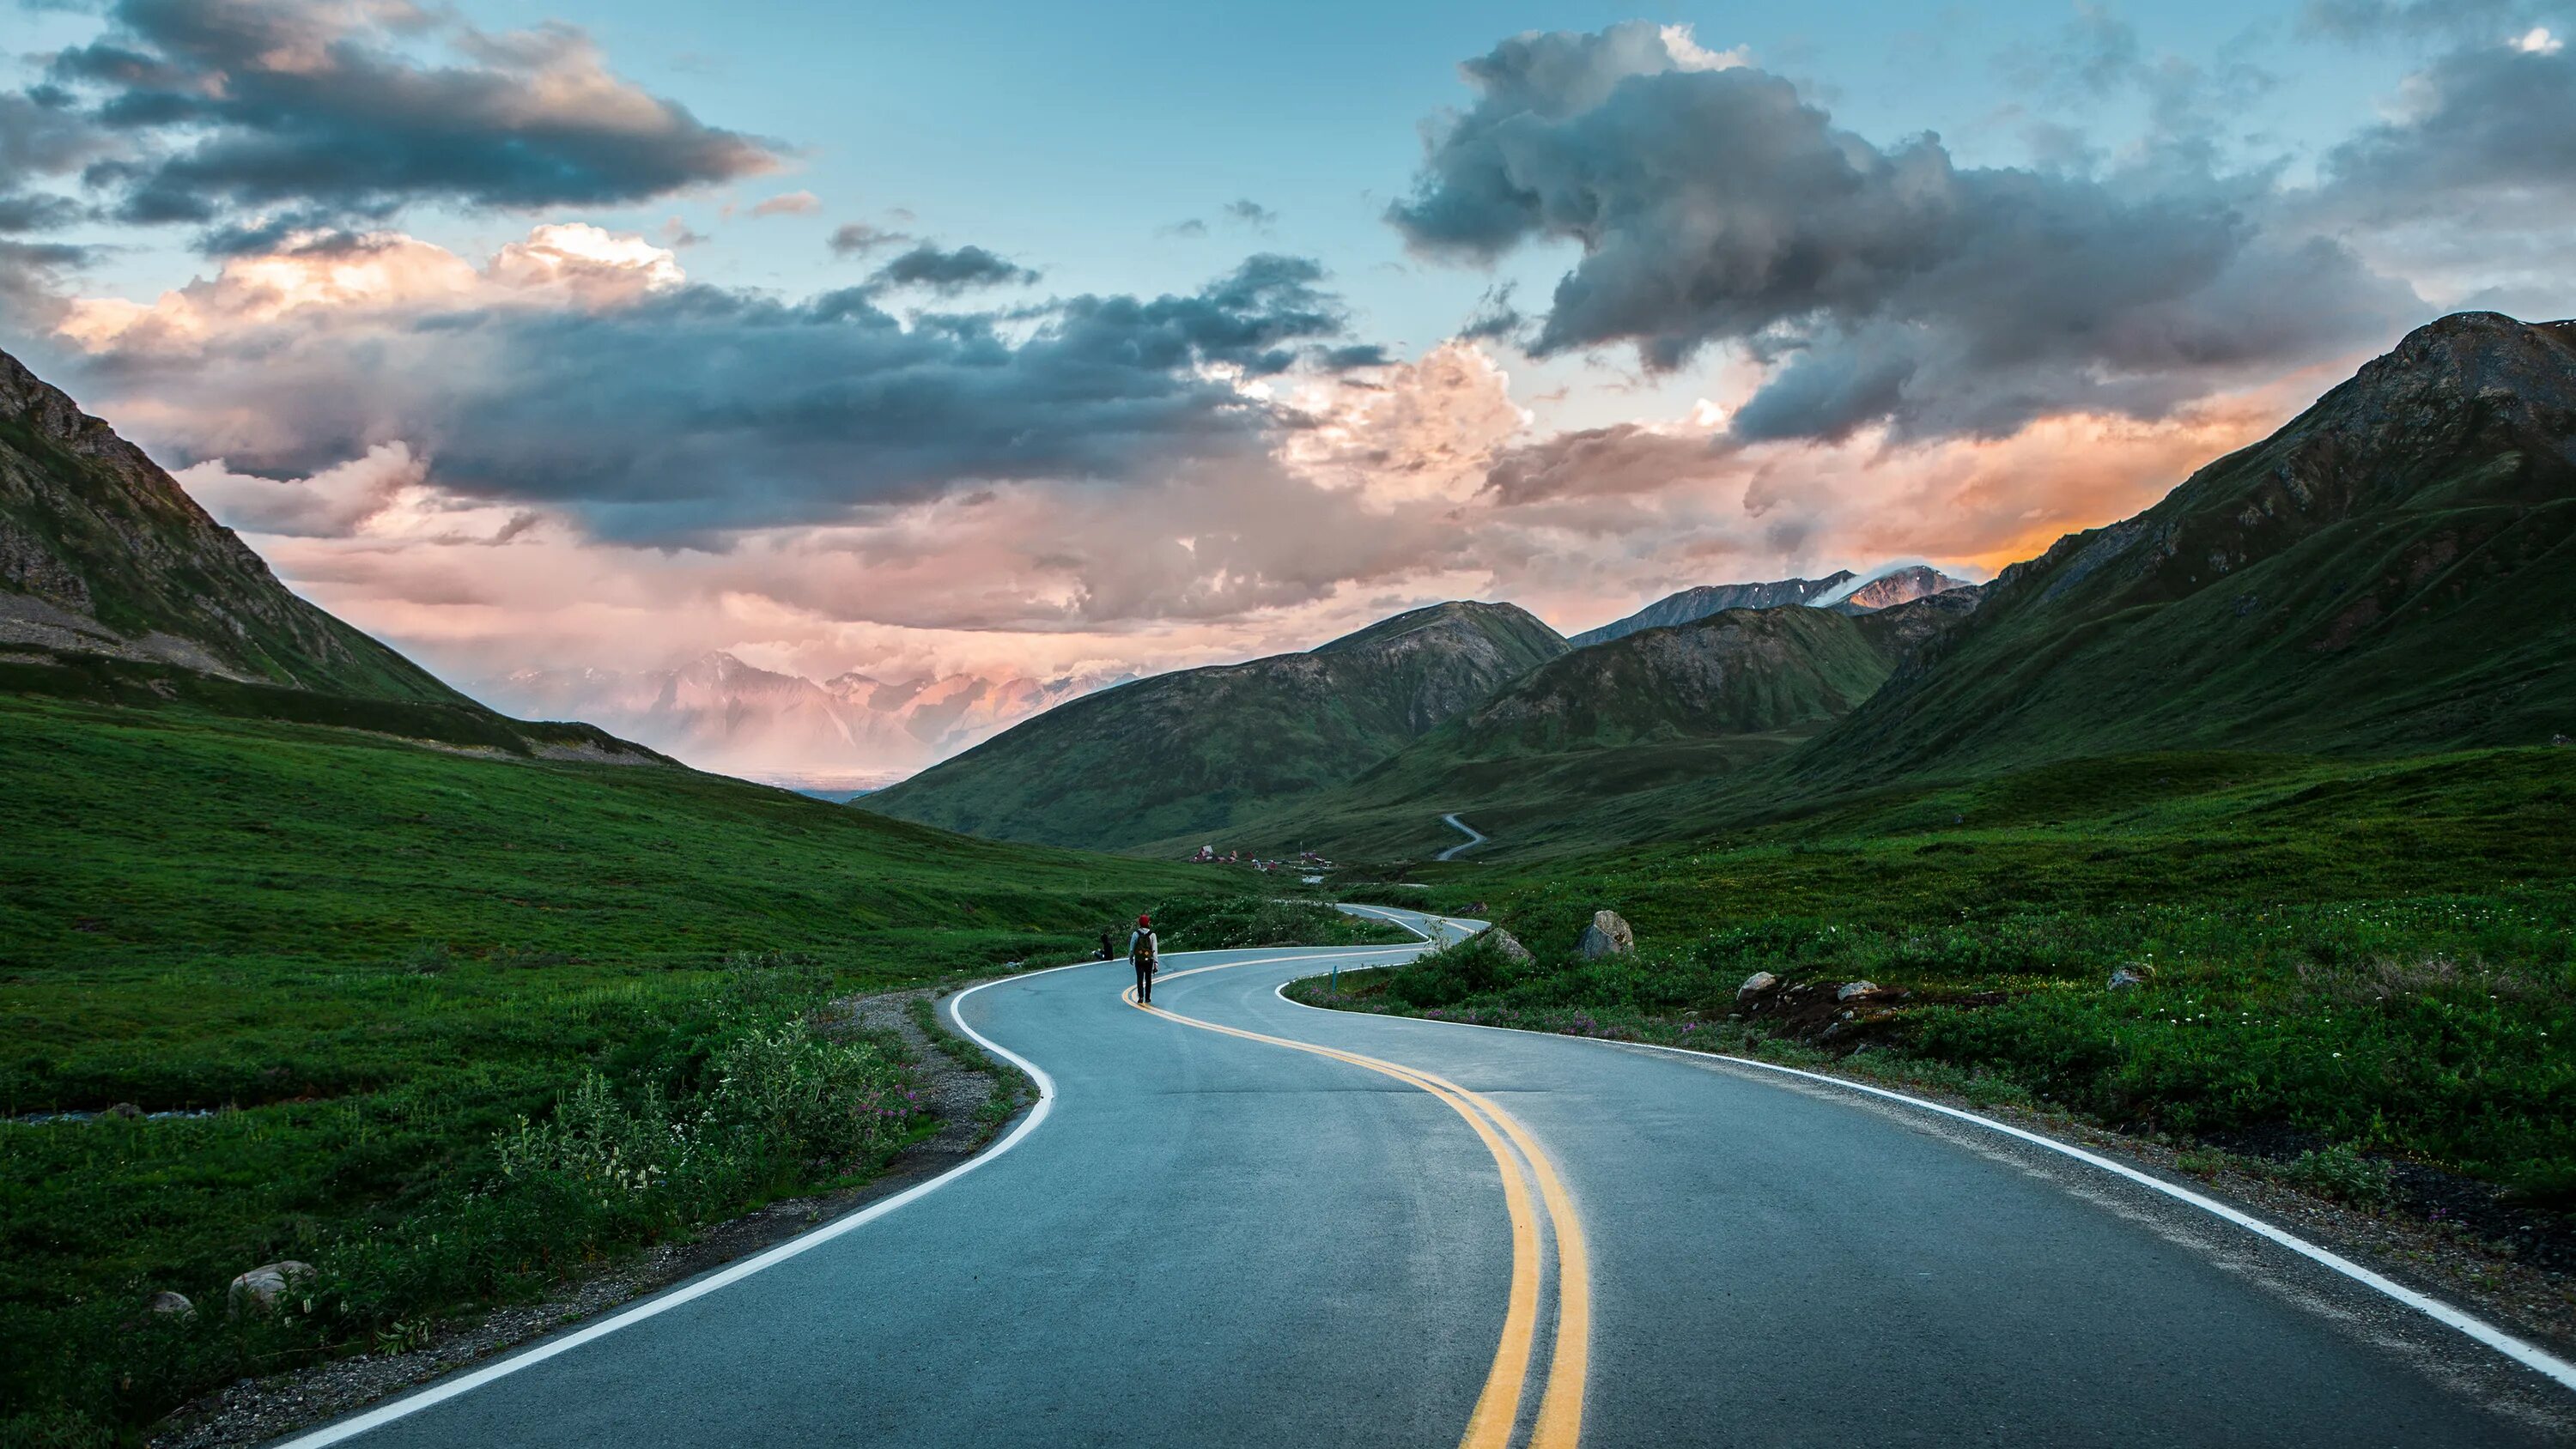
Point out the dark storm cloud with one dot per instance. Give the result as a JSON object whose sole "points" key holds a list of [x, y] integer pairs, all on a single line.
{"points": [[2492, 120], [858, 239], [951, 272], [1884, 284], [43, 133], [700, 411], [226, 109], [25, 211]]}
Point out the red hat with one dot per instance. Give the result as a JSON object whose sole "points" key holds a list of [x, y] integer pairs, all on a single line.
{"points": [[1144, 920]]}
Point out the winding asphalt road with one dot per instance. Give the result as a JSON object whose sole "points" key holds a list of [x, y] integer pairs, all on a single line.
{"points": [[1240, 1221]]}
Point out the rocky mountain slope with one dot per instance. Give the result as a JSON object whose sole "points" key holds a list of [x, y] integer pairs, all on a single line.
{"points": [[116, 586], [2394, 570], [720, 713], [1899, 586], [102, 554], [1190, 751], [1707, 599]]}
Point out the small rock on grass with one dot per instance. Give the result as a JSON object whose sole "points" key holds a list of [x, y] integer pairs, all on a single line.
{"points": [[2129, 978], [259, 1289], [1760, 983], [1850, 989], [170, 1304], [1607, 936], [1502, 941]]}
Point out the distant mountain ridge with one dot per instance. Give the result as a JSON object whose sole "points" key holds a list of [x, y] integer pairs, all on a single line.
{"points": [[1842, 589], [721, 713], [1590, 740], [1706, 599], [1190, 751]]}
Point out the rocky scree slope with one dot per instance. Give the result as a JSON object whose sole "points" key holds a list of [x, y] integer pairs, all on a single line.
{"points": [[1190, 751], [2394, 570]]}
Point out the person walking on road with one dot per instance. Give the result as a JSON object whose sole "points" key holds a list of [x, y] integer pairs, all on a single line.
{"points": [[1143, 949]]}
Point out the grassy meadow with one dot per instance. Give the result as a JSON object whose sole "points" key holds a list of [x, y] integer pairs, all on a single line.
{"points": [[428, 1020], [2373, 956]]}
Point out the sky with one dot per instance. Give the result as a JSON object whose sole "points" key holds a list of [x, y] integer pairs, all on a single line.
{"points": [[1045, 342]]}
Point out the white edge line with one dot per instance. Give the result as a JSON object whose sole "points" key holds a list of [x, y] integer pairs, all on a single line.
{"points": [[2521, 1351], [439, 1393]]}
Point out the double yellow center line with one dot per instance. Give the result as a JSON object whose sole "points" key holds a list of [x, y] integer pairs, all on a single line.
{"points": [[1559, 1424]]}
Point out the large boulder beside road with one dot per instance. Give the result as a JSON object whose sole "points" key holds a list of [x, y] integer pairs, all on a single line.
{"points": [[1607, 936]]}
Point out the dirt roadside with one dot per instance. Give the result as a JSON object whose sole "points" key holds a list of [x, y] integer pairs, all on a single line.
{"points": [[972, 1097]]}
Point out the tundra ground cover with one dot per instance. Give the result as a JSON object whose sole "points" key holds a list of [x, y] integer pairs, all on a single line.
{"points": [[355, 966], [2375, 955]]}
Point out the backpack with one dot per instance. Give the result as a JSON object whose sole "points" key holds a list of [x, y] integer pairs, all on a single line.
{"points": [[1145, 950]]}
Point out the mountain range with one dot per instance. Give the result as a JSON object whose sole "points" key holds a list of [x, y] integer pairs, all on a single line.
{"points": [[2389, 572], [1197, 750], [849, 731], [1841, 589]]}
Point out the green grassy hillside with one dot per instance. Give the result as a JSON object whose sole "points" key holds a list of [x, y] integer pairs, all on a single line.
{"points": [[1191, 752], [2395, 570], [1587, 748], [364, 960], [2369, 957]]}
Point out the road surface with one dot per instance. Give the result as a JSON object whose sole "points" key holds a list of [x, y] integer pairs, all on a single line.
{"points": [[1239, 1221], [1474, 838]]}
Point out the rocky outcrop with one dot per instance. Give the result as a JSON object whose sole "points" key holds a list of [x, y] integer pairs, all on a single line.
{"points": [[1608, 935]]}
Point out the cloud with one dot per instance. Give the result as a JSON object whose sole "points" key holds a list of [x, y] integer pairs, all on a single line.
{"points": [[334, 502], [1251, 213], [858, 239], [1190, 227], [2493, 121], [789, 203], [1716, 207], [579, 370], [1622, 458], [950, 273], [25, 211], [324, 282], [312, 112]]}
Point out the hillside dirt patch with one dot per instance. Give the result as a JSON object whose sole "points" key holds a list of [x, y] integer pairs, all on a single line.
{"points": [[959, 1095]]}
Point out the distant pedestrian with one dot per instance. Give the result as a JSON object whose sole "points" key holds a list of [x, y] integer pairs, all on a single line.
{"points": [[1143, 950], [1108, 946]]}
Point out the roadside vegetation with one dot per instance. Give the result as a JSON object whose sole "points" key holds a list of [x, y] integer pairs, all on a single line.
{"points": [[444, 1027], [2369, 962]]}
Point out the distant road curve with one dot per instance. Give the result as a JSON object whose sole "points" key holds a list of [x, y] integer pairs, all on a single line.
{"points": [[1474, 837]]}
